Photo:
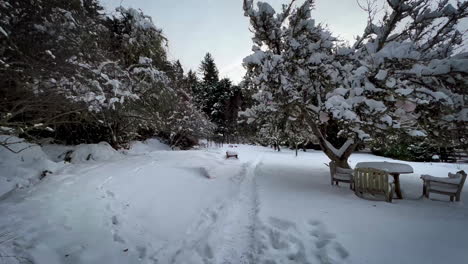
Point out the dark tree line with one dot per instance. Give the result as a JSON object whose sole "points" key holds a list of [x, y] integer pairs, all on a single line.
{"points": [[220, 99]]}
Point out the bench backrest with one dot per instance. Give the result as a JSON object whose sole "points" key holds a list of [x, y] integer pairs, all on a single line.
{"points": [[371, 180]]}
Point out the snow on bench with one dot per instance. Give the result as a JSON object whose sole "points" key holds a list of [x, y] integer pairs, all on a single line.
{"points": [[231, 154]]}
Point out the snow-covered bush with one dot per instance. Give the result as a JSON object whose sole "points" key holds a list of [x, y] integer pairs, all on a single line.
{"points": [[397, 146], [70, 72], [22, 164], [94, 152]]}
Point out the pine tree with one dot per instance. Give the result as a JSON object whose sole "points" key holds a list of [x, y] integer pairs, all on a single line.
{"points": [[178, 71], [205, 91], [192, 81], [219, 99], [209, 70]]}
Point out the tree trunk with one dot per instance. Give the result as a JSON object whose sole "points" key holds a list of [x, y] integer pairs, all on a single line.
{"points": [[344, 152], [296, 150], [341, 161]]}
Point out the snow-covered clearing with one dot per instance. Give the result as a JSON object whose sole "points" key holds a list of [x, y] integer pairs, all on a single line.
{"points": [[197, 207]]}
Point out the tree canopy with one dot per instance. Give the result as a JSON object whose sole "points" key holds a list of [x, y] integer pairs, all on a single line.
{"points": [[403, 74]]}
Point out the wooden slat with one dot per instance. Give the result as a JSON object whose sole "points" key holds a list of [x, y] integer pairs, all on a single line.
{"points": [[369, 180]]}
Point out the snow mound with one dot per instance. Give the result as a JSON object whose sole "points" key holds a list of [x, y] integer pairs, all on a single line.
{"points": [[23, 165], [94, 152], [219, 168], [231, 153], [57, 152], [147, 146], [212, 172]]}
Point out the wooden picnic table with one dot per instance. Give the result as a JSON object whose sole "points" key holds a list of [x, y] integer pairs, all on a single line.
{"points": [[393, 168]]}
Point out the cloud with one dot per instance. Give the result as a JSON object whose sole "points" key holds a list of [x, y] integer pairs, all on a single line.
{"points": [[234, 71]]}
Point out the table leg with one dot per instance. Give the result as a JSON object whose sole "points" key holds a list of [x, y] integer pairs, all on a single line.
{"points": [[396, 178]]}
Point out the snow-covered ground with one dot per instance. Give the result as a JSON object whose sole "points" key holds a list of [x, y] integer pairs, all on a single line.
{"points": [[153, 205]]}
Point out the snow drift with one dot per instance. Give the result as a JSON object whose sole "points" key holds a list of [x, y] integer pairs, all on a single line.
{"points": [[147, 146], [94, 152], [25, 164]]}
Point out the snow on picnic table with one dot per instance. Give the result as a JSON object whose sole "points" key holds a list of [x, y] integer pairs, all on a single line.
{"points": [[266, 207], [391, 167]]}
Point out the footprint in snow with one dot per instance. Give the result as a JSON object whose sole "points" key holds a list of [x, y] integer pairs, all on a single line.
{"points": [[141, 252], [110, 194], [205, 252], [280, 242], [115, 221], [117, 238], [281, 224], [328, 250]]}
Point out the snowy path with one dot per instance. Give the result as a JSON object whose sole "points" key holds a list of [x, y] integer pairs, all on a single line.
{"points": [[155, 208], [120, 211], [236, 242], [266, 207], [225, 233]]}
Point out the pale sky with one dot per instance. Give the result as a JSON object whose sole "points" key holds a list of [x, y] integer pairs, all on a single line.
{"points": [[195, 27]]}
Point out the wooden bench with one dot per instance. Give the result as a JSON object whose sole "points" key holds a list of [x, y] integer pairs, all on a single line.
{"points": [[451, 186], [373, 181], [231, 154], [339, 174]]}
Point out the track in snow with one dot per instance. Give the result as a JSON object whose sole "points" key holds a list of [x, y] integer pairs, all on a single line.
{"points": [[225, 234], [237, 230]]}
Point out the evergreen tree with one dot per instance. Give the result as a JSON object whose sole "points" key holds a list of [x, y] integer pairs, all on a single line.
{"points": [[209, 70], [178, 71], [219, 99], [205, 92], [192, 81]]}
